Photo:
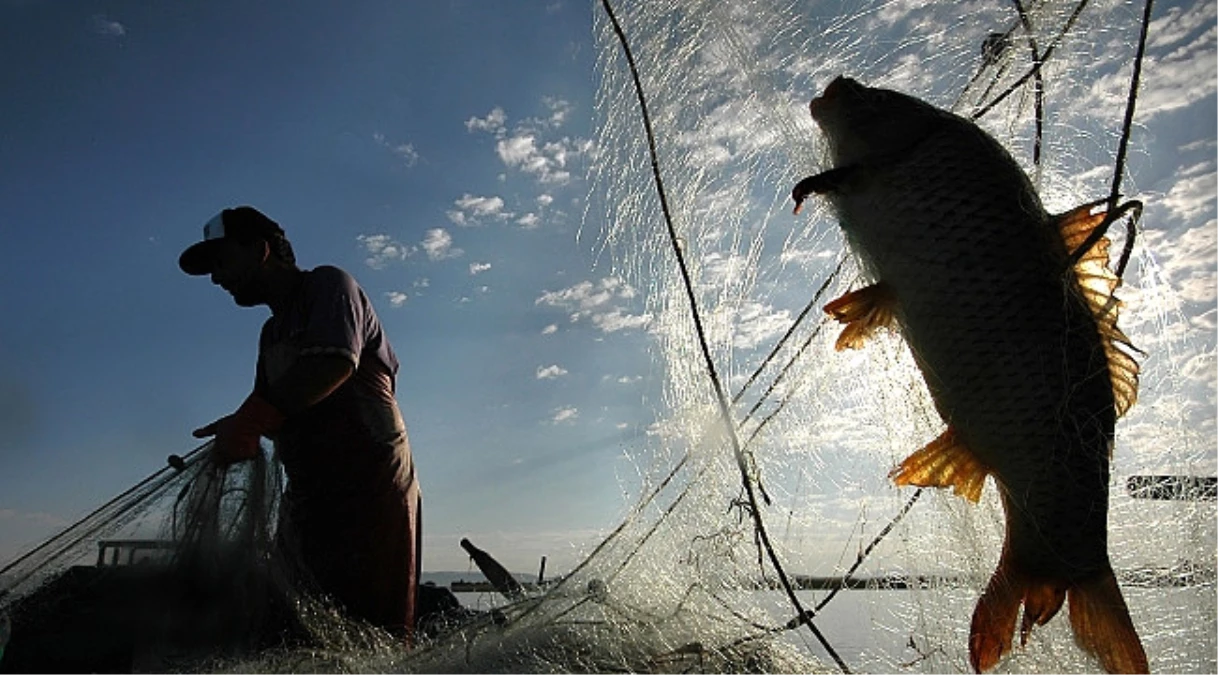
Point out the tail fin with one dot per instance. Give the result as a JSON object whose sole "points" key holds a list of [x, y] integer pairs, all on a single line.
{"points": [[1102, 625], [993, 625], [1098, 616]]}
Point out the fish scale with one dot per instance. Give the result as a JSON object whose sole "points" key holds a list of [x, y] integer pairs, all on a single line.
{"points": [[966, 263]]}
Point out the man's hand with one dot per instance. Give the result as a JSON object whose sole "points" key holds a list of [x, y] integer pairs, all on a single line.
{"points": [[238, 435]]}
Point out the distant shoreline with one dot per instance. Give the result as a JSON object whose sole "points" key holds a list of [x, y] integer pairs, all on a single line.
{"points": [[1175, 576]]}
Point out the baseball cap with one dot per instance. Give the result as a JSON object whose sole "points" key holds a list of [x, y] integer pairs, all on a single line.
{"points": [[243, 224]]}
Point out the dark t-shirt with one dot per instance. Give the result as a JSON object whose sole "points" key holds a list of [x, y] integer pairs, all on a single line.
{"points": [[351, 504], [330, 314]]}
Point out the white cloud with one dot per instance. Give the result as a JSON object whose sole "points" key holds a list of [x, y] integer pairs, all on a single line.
{"points": [[759, 324], [731, 128], [550, 329], [494, 122], [600, 301], [529, 221], [1207, 321], [396, 298], [478, 268], [422, 282], [1191, 250], [529, 147], [1191, 263], [544, 200], [548, 163], [585, 295], [439, 245], [1198, 289], [106, 26], [517, 150], [805, 257], [1169, 81], [1198, 145], [611, 322], [480, 206], [564, 415], [559, 109], [471, 210], [405, 151], [383, 250], [720, 271], [1178, 23], [1193, 192], [1199, 246], [551, 372]]}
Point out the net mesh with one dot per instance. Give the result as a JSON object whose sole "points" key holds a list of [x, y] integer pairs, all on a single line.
{"points": [[684, 583]]}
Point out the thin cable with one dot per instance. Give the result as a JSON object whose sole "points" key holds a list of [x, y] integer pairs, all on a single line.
{"points": [[783, 340], [1044, 58], [867, 551], [720, 396], [1038, 88], [1118, 174], [617, 531], [816, 298], [67, 532]]}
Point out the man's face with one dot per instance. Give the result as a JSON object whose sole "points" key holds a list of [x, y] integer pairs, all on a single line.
{"points": [[238, 270]]}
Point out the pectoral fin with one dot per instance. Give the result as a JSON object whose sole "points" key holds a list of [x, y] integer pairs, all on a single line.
{"points": [[827, 181], [864, 312], [1098, 284], [944, 462]]}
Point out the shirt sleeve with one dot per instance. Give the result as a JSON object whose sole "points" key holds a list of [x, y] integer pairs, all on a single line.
{"points": [[336, 318]]}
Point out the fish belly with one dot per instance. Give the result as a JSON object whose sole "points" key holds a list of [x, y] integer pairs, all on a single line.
{"points": [[1009, 350]]}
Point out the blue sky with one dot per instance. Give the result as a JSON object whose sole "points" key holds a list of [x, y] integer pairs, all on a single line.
{"points": [[435, 150], [438, 151]]}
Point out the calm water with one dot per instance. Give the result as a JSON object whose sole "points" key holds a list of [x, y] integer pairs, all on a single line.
{"points": [[926, 631]]}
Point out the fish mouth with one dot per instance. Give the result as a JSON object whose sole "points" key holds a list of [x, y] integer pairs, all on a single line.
{"points": [[831, 93]]}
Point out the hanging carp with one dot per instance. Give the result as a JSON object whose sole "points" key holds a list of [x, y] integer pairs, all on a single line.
{"points": [[1014, 330]]}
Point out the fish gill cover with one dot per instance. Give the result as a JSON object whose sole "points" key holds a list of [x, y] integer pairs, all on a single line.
{"points": [[794, 492]]}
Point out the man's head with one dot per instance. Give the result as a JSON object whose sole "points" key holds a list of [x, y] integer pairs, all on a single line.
{"points": [[240, 246]]}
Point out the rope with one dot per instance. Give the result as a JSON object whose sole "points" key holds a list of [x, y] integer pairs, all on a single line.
{"points": [[1044, 58], [720, 396], [1118, 173], [90, 531], [1038, 88]]}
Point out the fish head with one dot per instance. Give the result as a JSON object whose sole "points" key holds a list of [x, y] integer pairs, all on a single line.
{"points": [[864, 123]]}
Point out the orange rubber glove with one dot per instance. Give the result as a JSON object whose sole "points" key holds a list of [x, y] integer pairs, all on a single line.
{"points": [[238, 435]]}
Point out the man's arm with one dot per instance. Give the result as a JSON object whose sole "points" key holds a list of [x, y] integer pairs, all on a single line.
{"points": [[308, 381]]}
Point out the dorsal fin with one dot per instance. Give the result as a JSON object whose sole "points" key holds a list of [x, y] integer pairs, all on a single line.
{"points": [[1098, 284]]}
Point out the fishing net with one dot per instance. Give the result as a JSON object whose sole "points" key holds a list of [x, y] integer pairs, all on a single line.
{"points": [[726, 87], [768, 538], [183, 572]]}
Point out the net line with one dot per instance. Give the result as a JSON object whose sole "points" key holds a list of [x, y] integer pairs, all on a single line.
{"points": [[1115, 213], [724, 409]]}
